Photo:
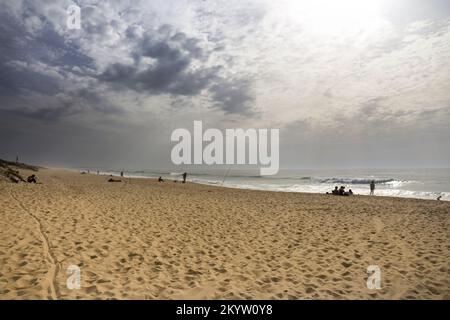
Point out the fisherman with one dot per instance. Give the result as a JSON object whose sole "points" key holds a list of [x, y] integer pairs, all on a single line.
{"points": [[372, 187]]}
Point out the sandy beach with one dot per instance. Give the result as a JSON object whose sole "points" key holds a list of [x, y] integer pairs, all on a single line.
{"points": [[140, 239]]}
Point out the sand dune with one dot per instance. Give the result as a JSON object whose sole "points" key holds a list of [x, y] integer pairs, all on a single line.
{"points": [[148, 240]]}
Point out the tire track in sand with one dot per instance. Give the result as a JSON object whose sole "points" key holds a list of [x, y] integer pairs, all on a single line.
{"points": [[54, 267]]}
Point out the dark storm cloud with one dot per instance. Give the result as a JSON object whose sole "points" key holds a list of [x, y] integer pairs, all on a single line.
{"points": [[52, 108], [14, 82], [45, 75], [233, 96], [172, 73], [23, 43], [33, 66], [166, 77], [169, 44]]}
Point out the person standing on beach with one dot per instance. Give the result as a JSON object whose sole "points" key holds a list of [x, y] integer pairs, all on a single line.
{"points": [[372, 187], [184, 177]]}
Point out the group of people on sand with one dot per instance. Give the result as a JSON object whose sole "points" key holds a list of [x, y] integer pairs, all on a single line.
{"points": [[341, 191]]}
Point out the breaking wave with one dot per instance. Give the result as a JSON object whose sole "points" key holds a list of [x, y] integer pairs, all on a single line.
{"points": [[355, 180]]}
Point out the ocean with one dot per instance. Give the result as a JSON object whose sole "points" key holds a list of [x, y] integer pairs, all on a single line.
{"points": [[408, 183]]}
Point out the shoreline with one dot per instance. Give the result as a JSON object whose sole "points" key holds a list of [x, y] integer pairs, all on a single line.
{"points": [[140, 239], [112, 173]]}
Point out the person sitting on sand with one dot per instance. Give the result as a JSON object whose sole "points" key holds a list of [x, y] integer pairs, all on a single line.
{"points": [[31, 179], [335, 191], [160, 179], [372, 187], [341, 190], [348, 193], [114, 180]]}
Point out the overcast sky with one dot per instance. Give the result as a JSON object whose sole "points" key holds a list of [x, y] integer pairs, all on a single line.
{"points": [[349, 83]]}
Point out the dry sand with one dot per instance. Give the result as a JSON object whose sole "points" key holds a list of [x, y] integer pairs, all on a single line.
{"points": [[148, 240]]}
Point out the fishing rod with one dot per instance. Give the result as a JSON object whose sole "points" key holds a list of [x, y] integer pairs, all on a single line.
{"points": [[226, 175]]}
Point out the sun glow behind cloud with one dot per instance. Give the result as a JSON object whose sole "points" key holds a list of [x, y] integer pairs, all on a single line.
{"points": [[333, 18]]}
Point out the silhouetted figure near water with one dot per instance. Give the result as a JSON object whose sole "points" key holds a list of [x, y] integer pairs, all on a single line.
{"points": [[160, 179], [372, 187], [121, 173], [439, 198], [31, 179], [184, 177], [17, 159], [335, 191]]}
